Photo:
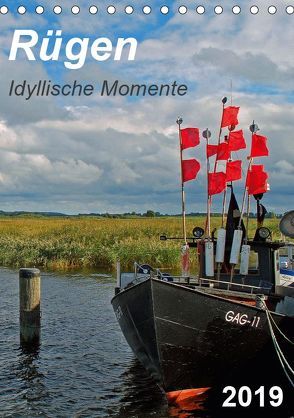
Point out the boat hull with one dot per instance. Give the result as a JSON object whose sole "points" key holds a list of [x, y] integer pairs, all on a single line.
{"points": [[187, 338]]}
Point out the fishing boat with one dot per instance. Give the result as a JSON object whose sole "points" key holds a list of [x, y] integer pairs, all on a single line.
{"points": [[233, 322]]}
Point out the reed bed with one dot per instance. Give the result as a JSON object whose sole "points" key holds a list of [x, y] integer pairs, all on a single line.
{"points": [[66, 243]]}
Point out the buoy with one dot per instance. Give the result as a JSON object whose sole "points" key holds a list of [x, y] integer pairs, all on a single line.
{"points": [[244, 263], [209, 263], [220, 246], [236, 245]]}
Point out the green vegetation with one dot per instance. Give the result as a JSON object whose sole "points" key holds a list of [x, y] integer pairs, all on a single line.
{"points": [[84, 242]]}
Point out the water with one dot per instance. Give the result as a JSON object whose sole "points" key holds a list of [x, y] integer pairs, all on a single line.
{"points": [[83, 367]]}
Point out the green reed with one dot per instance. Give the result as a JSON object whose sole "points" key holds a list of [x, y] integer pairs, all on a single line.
{"points": [[77, 242]]}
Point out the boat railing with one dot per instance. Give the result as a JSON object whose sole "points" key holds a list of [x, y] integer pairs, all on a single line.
{"points": [[228, 284], [146, 270], [207, 282]]}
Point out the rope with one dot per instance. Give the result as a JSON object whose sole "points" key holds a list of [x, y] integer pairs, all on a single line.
{"points": [[280, 355], [283, 335], [273, 321], [280, 351]]}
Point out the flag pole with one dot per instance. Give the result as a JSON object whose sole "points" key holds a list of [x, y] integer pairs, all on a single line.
{"points": [[179, 122], [224, 198], [241, 215], [208, 196], [225, 191], [258, 223], [224, 206], [244, 195], [247, 217], [253, 129], [224, 101], [207, 134]]}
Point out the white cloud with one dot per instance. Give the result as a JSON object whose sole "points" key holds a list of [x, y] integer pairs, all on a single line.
{"points": [[114, 154]]}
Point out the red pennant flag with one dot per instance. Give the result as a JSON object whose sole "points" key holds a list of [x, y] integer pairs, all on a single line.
{"points": [[211, 150], [256, 181], [190, 137], [233, 170], [258, 146], [236, 140], [223, 152], [190, 169], [216, 183], [230, 116]]}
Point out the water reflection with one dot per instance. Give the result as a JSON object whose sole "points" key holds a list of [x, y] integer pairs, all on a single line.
{"points": [[139, 391], [141, 397], [27, 371]]}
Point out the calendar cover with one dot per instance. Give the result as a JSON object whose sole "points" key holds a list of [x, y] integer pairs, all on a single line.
{"points": [[160, 134]]}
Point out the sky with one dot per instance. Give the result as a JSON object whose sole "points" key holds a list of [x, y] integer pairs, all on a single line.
{"points": [[121, 154]]}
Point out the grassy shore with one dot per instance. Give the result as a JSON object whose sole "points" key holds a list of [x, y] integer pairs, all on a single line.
{"points": [[63, 243]]}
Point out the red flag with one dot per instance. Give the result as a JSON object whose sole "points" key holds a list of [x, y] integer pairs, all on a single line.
{"points": [[236, 140], [233, 170], [258, 146], [223, 152], [256, 181], [216, 183], [230, 116], [190, 169], [211, 150], [190, 137], [257, 168]]}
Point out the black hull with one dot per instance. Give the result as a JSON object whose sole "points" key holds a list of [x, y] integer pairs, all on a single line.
{"points": [[187, 338]]}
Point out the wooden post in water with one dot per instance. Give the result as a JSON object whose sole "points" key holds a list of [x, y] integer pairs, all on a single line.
{"points": [[29, 305], [118, 275]]}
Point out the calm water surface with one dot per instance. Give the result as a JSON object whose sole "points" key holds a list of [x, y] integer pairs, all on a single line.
{"points": [[84, 367]]}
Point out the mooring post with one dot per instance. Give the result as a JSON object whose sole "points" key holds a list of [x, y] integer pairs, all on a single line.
{"points": [[29, 305], [118, 283], [118, 273]]}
